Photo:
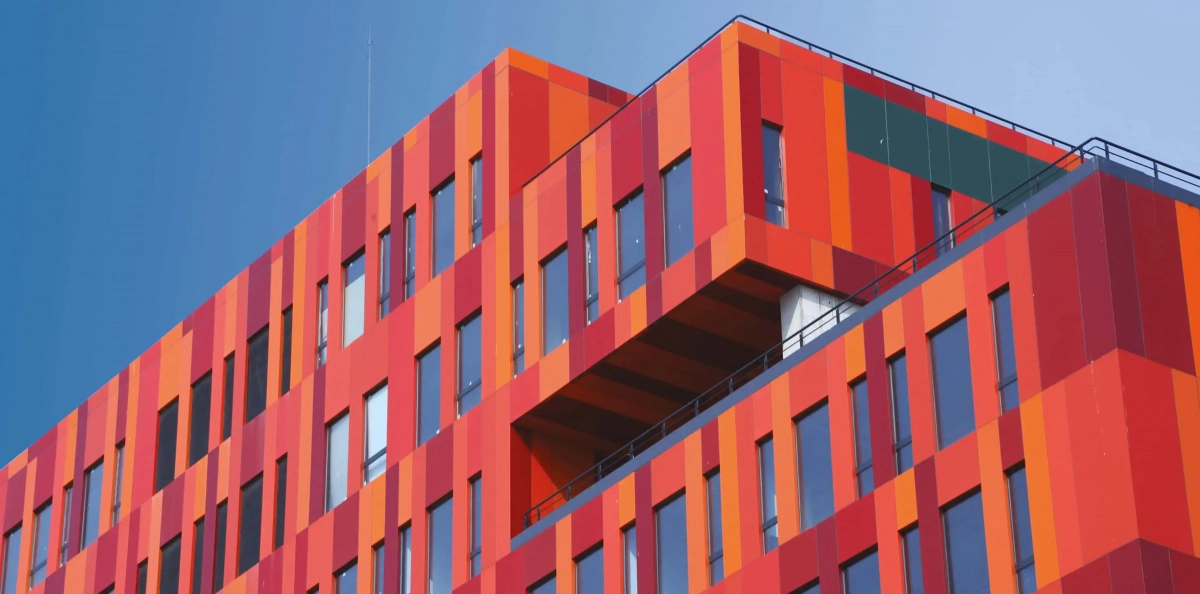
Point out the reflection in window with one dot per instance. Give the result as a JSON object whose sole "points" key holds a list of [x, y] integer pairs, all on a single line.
{"points": [[950, 356], [911, 543], [476, 200], [322, 320], [250, 529], [631, 245], [168, 425], [410, 252], [281, 470], [589, 572], [772, 142], [1006, 353], [12, 559], [546, 586], [378, 566], [901, 412], [385, 273], [198, 432], [470, 364], [966, 549], [197, 555], [41, 545], [942, 219], [65, 536], [592, 266], [716, 541], [862, 576], [476, 550], [429, 390], [518, 297], [354, 296], [93, 478], [285, 352], [677, 203], [118, 482], [629, 559], [816, 467], [337, 453], [441, 548], [766, 493], [168, 573], [406, 559], [227, 406], [257, 352], [1022, 533], [671, 532], [346, 580], [375, 440], [863, 472], [555, 303], [443, 226], [219, 553]]}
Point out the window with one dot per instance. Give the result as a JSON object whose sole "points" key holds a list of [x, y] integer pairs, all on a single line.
{"points": [[629, 540], [949, 354], [631, 245], [40, 559], [716, 541], [429, 390], [942, 219], [219, 553], [470, 364], [677, 203], [227, 411], [410, 252], [863, 471], [285, 354], [385, 273], [766, 495], [256, 373], [346, 580], [93, 478], [406, 559], [1018, 503], [197, 555], [119, 478], [109, 590], [375, 438], [862, 576], [816, 467], [546, 586], [142, 577], [12, 559], [813, 588], [476, 540], [592, 265], [772, 142], [322, 320], [354, 295], [168, 574], [518, 308], [589, 572], [555, 303], [671, 531], [281, 471], [901, 412], [966, 551], [64, 539], [443, 226], [910, 541], [1006, 353], [250, 531], [198, 432], [378, 567], [164, 466], [337, 453], [476, 200], [441, 549]]}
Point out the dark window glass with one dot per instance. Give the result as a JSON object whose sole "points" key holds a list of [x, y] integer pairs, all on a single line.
{"points": [[470, 364], [942, 219], [677, 202], [476, 200], [518, 296], [766, 494], [65, 535], [592, 265], [227, 401], [322, 321], [546, 586], [772, 142], [337, 460], [346, 580], [949, 353], [629, 559], [589, 573], [911, 541], [816, 467], [671, 527], [93, 478], [201, 404], [109, 590], [385, 273], [375, 437], [40, 559], [354, 298], [441, 549], [118, 480], [378, 568], [168, 426], [476, 541], [142, 577], [862, 576], [219, 553], [864, 472], [443, 226], [716, 541], [631, 245], [410, 253], [406, 559], [12, 560], [966, 549], [168, 576], [285, 354], [250, 533], [281, 470], [901, 412], [1018, 498], [256, 374], [429, 390], [813, 588], [1006, 353], [555, 303], [197, 556]]}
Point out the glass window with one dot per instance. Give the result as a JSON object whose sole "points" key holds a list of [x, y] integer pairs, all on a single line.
{"points": [[337, 453], [65, 536], [813, 588], [863, 471], [197, 556], [142, 577], [118, 480], [476, 541], [518, 297], [772, 142], [164, 466], [168, 575], [227, 410], [966, 550], [766, 494], [250, 531], [911, 541], [346, 580], [441, 549], [93, 478], [716, 540], [322, 320], [629, 540], [375, 439], [1018, 498], [671, 532], [354, 295], [470, 364], [410, 252], [942, 219], [555, 303], [281, 470], [385, 273], [40, 558], [219, 552], [198, 432], [631, 245], [677, 202], [1006, 353], [378, 568], [546, 586], [901, 412], [429, 390], [257, 352], [12, 559], [285, 354], [949, 353], [862, 576], [406, 559], [589, 572], [476, 200], [443, 226], [816, 467], [592, 264]]}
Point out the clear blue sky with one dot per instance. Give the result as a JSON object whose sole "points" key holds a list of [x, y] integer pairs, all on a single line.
{"points": [[150, 150]]}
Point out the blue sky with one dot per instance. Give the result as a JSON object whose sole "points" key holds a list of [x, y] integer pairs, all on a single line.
{"points": [[150, 150]]}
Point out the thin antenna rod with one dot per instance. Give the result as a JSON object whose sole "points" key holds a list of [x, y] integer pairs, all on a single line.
{"points": [[369, 44]]}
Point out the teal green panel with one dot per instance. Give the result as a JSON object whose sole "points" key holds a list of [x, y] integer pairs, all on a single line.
{"points": [[939, 152], [866, 124], [1009, 170], [908, 140], [969, 164]]}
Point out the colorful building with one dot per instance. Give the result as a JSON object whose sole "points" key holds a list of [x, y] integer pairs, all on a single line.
{"points": [[779, 323]]}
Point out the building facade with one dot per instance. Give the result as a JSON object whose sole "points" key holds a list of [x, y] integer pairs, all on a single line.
{"points": [[562, 338]]}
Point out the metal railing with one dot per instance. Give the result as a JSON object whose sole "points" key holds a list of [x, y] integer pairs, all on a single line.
{"points": [[1093, 147]]}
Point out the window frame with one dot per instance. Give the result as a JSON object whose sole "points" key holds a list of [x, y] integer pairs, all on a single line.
{"points": [[164, 585], [322, 321], [336, 421], [285, 350], [561, 252], [263, 349], [686, 157], [591, 277], [1004, 380], [436, 197], [93, 474], [359, 258], [475, 167], [119, 480], [864, 471], [475, 525], [251, 537], [781, 200], [410, 253], [384, 297], [475, 385], [369, 458], [715, 538], [198, 424], [625, 273], [64, 546], [229, 370], [430, 557], [936, 390], [1020, 564], [279, 527], [41, 522], [945, 240], [900, 444], [162, 447], [772, 523], [518, 326], [434, 354], [629, 558], [680, 498], [807, 518]]}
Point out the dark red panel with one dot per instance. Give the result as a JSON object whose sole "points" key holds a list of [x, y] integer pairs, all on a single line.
{"points": [[587, 527], [1156, 569], [14, 499], [1089, 579], [863, 81], [652, 188], [922, 208], [539, 557], [1125, 569], [1160, 279], [396, 291], [929, 522], [710, 446], [1012, 448], [1005, 136], [345, 533], [288, 247], [468, 280], [516, 240], [1094, 282], [856, 528], [489, 145], [771, 80], [202, 340], [439, 465], [879, 401], [752, 155], [1056, 292], [627, 151], [1185, 573], [827, 551], [172, 513], [647, 575], [708, 148], [906, 97], [576, 254], [851, 271], [258, 306], [354, 216], [871, 209], [1118, 235], [441, 142], [798, 561]]}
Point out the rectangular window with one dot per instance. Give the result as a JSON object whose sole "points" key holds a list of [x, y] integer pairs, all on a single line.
{"points": [[39, 561], [966, 548], [375, 438], [548, 585], [476, 541], [354, 297], [555, 303], [476, 200], [93, 479], [910, 541], [862, 576], [670, 522], [443, 226], [257, 354], [677, 204], [378, 567], [943, 220], [119, 479], [766, 495], [410, 252], [470, 364], [1006, 353], [346, 580], [1022, 533], [429, 394], [815, 459], [285, 353], [168, 426], [219, 553], [250, 531], [143, 576], [12, 559], [589, 572], [337, 454], [629, 540], [950, 358], [197, 555], [901, 413], [406, 559], [813, 588], [591, 261], [631, 245], [65, 537], [863, 471], [322, 320], [441, 549], [281, 470], [227, 400], [518, 308], [168, 574], [772, 142], [716, 541], [198, 432], [385, 273]]}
